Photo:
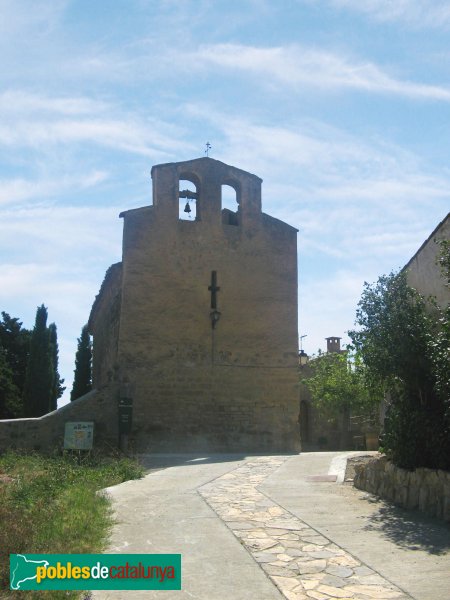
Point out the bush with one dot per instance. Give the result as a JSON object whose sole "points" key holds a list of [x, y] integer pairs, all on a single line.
{"points": [[50, 505], [405, 344]]}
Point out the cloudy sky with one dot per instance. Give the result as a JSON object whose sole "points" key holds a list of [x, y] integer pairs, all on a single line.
{"points": [[342, 107]]}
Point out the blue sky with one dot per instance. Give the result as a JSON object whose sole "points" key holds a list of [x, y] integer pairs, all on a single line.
{"points": [[342, 107]]}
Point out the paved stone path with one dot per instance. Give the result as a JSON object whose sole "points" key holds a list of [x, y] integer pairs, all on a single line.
{"points": [[301, 562]]}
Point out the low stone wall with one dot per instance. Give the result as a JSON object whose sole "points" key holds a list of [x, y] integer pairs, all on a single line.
{"points": [[425, 489], [46, 433]]}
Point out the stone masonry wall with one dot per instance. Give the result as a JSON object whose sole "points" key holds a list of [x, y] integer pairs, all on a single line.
{"points": [[425, 489], [46, 433], [104, 325], [229, 388], [214, 408]]}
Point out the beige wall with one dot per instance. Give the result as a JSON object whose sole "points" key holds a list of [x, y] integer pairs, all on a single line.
{"points": [[423, 273], [47, 433], [104, 326], [234, 387]]}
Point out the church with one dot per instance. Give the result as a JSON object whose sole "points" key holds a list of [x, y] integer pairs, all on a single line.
{"points": [[195, 339]]}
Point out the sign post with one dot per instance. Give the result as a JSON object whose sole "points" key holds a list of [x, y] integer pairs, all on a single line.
{"points": [[79, 435], [125, 421]]}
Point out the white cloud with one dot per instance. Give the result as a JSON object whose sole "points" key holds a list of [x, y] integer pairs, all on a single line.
{"points": [[309, 145], [39, 121], [22, 103], [28, 17], [296, 67], [134, 137], [68, 236], [402, 184], [418, 13], [326, 159], [36, 280], [18, 190], [287, 67]]}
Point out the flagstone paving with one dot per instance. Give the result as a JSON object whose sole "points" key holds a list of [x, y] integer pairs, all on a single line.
{"points": [[301, 562]]}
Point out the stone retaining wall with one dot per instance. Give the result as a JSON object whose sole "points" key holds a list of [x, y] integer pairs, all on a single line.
{"points": [[46, 433], [425, 489]]}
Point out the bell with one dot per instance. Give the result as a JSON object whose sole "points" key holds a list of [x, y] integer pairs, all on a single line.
{"points": [[187, 208]]}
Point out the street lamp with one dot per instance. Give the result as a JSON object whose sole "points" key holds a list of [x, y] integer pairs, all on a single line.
{"points": [[302, 356]]}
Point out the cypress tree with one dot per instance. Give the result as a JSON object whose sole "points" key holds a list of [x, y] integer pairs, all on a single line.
{"points": [[39, 378], [57, 387], [15, 341], [82, 382], [10, 400]]}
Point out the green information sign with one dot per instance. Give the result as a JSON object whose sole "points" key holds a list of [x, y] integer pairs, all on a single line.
{"points": [[79, 435]]}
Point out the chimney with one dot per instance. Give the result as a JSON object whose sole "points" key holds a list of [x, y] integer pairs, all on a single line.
{"points": [[333, 344]]}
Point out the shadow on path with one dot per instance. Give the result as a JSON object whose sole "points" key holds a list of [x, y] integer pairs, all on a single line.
{"points": [[409, 529], [156, 462]]}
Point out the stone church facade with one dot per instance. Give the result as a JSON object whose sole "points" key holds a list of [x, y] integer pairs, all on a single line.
{"points": [[423, 272], [197, 325]]}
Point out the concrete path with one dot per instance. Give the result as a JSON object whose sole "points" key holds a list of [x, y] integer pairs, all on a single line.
{"points": [[273, 527]]}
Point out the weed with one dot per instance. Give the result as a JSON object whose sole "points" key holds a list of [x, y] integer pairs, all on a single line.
{"points": [[50, 505]]}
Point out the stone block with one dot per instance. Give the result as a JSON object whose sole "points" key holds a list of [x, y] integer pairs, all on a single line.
{"points": [[426, 489]]}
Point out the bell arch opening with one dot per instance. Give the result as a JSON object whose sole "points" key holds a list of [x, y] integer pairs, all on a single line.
{"points": [[230, 200], [188, 208]]}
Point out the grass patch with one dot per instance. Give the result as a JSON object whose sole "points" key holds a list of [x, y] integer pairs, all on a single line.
{"points": [[50, 505]]}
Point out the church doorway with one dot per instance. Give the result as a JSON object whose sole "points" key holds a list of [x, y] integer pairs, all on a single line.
{"points": [[304, 423]]}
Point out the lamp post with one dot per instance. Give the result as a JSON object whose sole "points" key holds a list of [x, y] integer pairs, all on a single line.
{"points": [[302, 356]]}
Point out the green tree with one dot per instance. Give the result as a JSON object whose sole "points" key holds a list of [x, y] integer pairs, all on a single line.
{"points": [[57, 387], [443, 260], [339, 390], [82, 382], [338, 384], [39, 380], [440, 343], [10, 399], [15, 341], [402, 345]]}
